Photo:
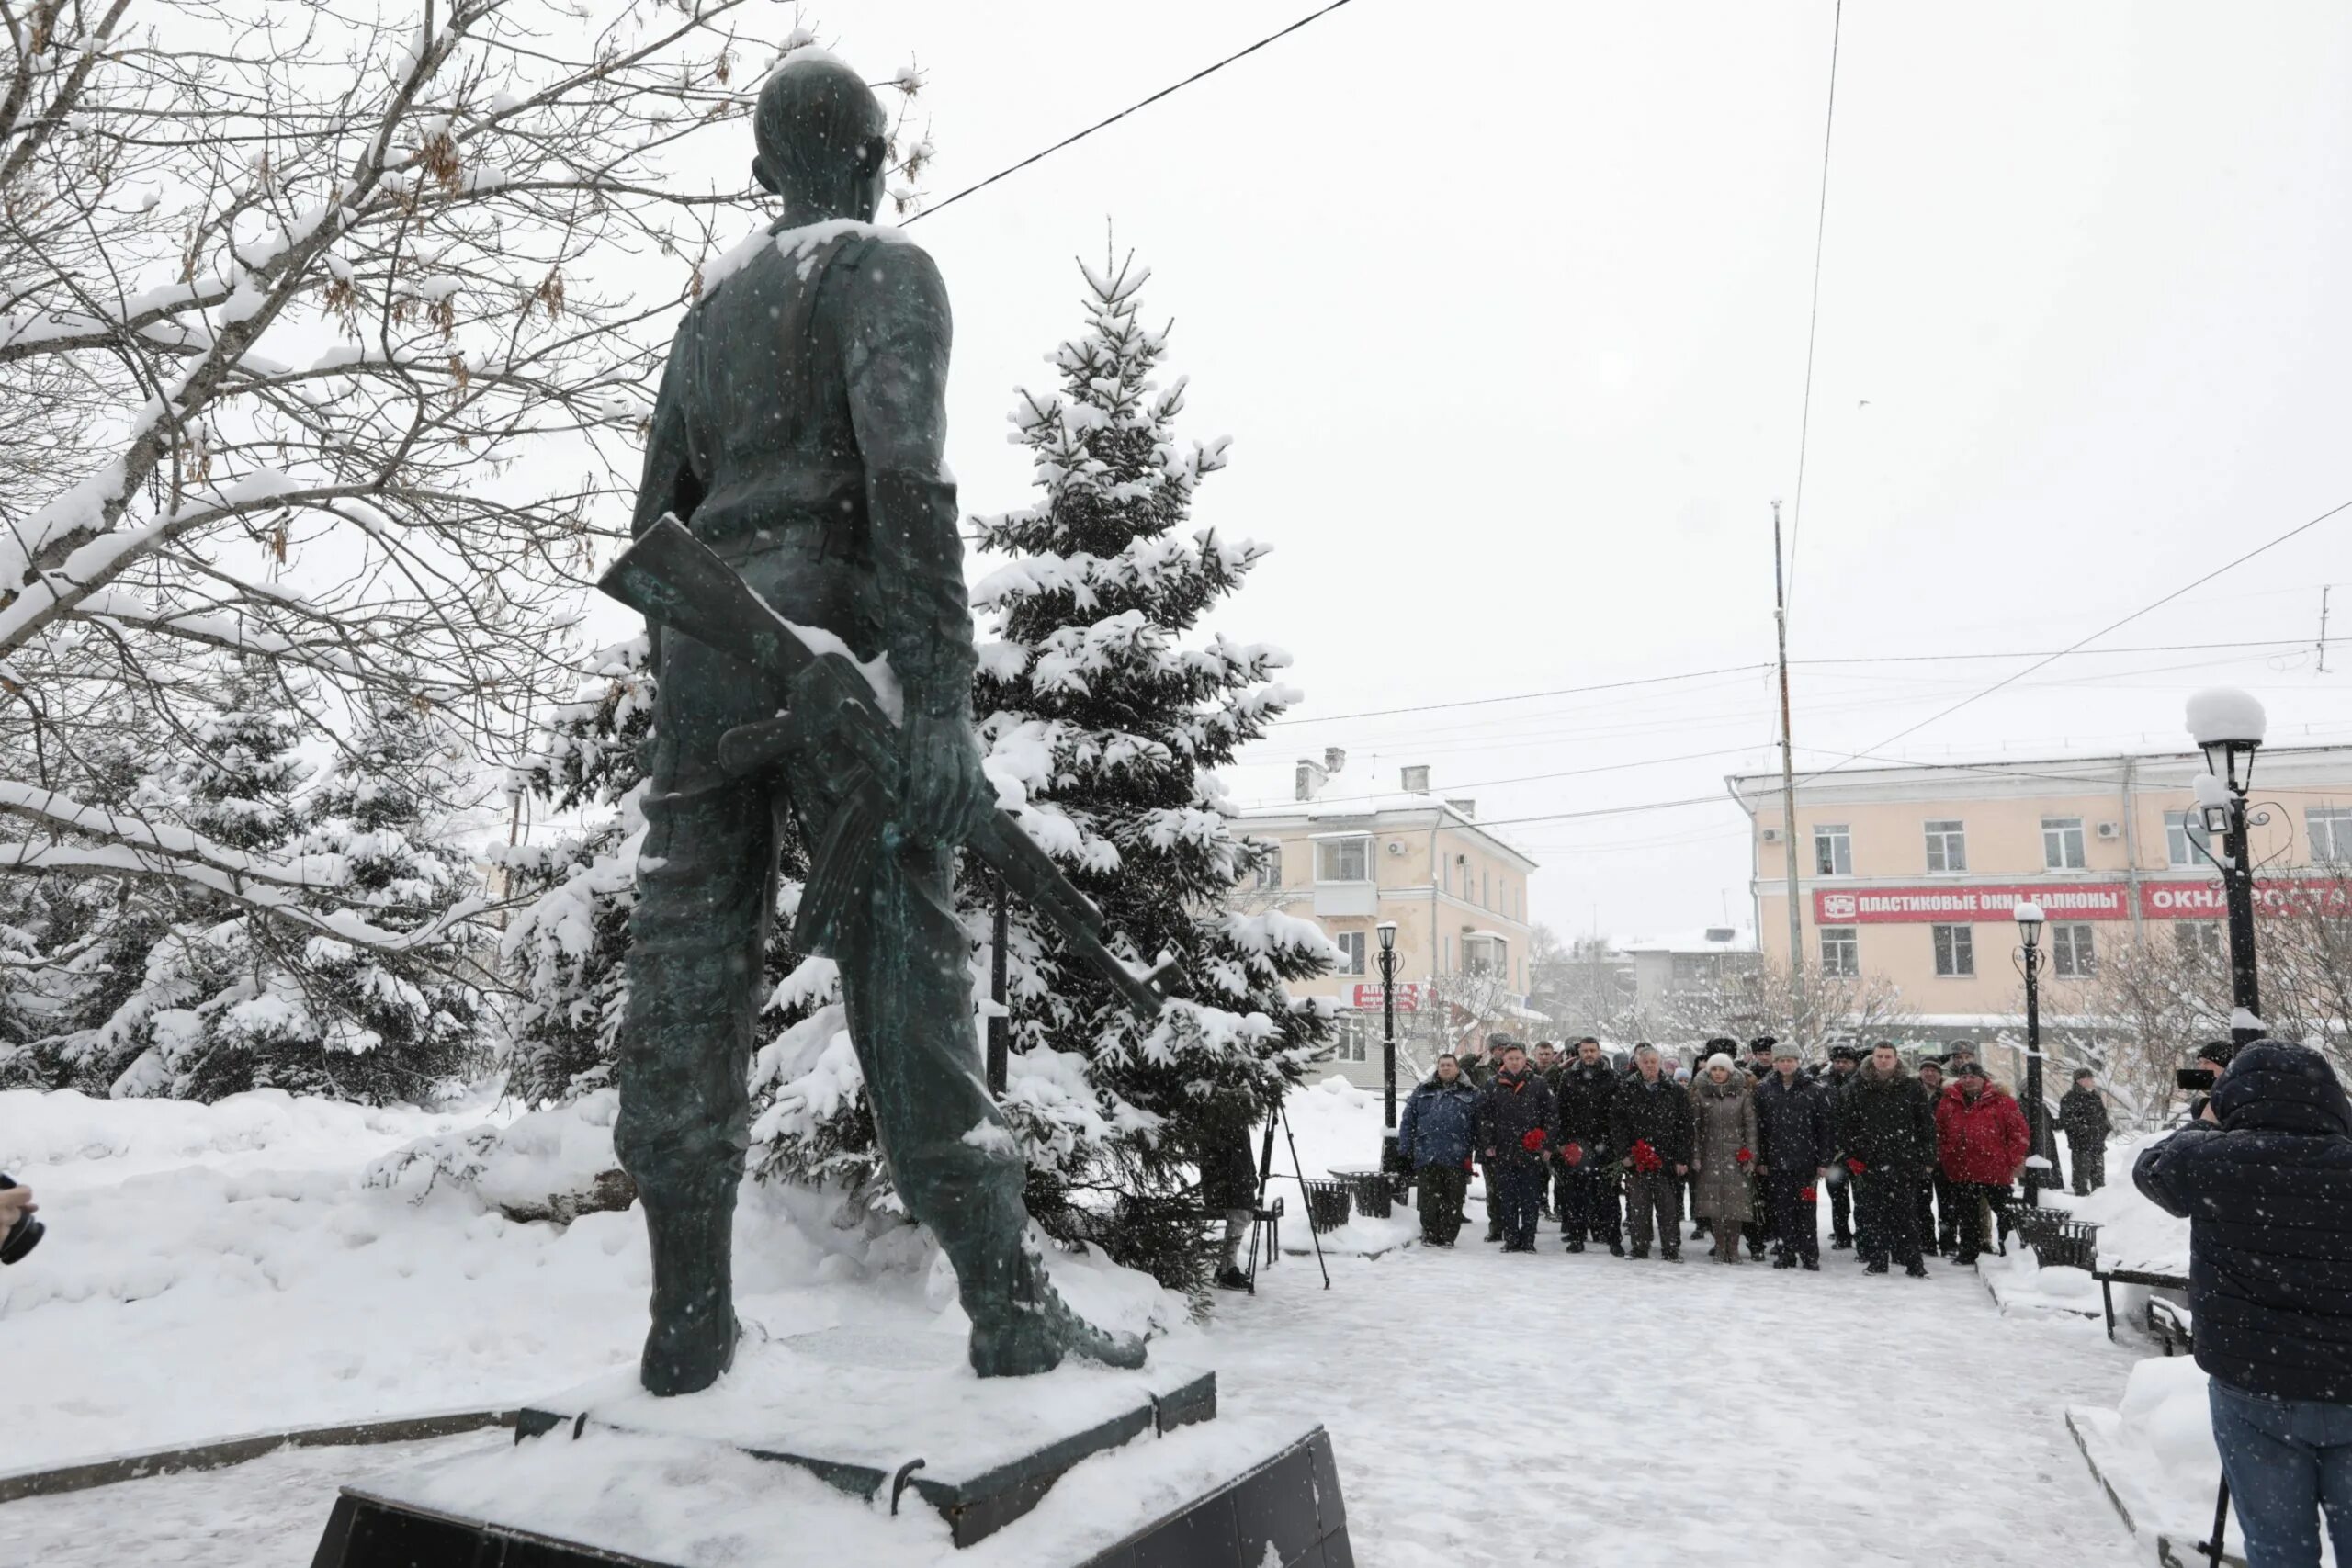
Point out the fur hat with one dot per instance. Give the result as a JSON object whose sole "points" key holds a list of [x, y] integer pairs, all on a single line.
{"points": [[1971, 1069], [1844, 1053], [1719, 1060]]}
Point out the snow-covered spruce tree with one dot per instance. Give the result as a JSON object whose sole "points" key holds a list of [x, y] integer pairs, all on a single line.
{"points": [[214, 996], [563, 953], [1111, 725], [1105, 728], [564, 950]]}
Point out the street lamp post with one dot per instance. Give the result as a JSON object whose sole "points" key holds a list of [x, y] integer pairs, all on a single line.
{"points": [[2030, 919], [1390, 1160], [2228, 725]]}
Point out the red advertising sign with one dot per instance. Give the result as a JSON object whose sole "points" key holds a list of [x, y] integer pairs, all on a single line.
{"points": [[1408, 996], [1961, 905], [1948, 903], [2205, 901]]}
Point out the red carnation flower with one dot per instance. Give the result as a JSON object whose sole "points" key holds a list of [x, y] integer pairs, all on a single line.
{"points": [[1531, 1140], [1745, 1155], [1856, 1167], [1572, 1152], [1806, 1192]]}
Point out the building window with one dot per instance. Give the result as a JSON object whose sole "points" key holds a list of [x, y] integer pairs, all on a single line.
{"points": [[1487, 956], [2070, 951], [1352, 1040], [1343, 860], [2183, 838], [1267, 874], [1947, 847], [2061, 843], [1955, 951], [1841, 953], [1486, 893], [2196, 939], [1690, 966], [1832, 850], [2331, 830], [1350, 945]]}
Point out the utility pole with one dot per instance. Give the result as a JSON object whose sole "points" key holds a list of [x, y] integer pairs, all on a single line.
{"points": [[1788, 788], [2322, 627]]}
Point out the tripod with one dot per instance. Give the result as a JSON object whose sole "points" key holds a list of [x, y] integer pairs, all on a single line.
{"points": [[1265, 1174]]}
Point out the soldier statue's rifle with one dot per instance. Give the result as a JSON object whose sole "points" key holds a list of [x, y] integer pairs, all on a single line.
{"points": [[832, 725]]}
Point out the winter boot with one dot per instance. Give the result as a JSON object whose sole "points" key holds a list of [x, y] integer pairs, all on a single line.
{"points": [[1876, 1266], [693, 1337], [1030, 1328], [1616, 1247], [1786, 1260], [1231, 1278], [1916, 1268]]}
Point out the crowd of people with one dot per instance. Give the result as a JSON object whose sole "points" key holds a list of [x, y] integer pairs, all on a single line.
{"points": [[1915, 1161]]}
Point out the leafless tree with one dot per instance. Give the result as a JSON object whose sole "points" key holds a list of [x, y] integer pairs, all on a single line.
{"points": [[326, 332]]}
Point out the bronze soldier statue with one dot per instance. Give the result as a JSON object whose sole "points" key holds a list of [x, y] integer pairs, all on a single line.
{"points": [[799, 433]]}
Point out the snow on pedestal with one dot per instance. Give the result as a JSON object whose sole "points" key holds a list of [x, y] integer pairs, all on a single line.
{"points": [[2155, 1457]]}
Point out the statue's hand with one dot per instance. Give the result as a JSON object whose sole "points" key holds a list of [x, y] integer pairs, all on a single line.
{"points": [[946, 791]]}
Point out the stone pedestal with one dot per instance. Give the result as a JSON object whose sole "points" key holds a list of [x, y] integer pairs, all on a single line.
{"points": [[904, 1439]]}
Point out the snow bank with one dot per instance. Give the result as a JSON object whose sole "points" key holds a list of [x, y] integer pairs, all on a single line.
{"points": [[64, 1141], [2132, 1233], [556, 1164]]}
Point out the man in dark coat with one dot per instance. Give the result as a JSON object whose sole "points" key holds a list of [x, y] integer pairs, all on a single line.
{"points": [[2265, 1179], [1435, 1136], [1649, 1129], [1229, 1177], [1762, 1221], [1794, 1143], [1843, 1060], [1481, 1070], [1939, 1214], [1887, 1136], [2082, 1115], [1519, 1125], [1588, 1090]]}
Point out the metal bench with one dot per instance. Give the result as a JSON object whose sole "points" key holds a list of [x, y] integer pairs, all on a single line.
{"points": [[2110, 1278]]}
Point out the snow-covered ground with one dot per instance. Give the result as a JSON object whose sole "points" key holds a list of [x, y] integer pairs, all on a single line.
{"points": [[1486, 1410]]}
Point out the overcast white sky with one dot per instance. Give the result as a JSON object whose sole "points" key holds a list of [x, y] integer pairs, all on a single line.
{"points": [[1504, 306]]}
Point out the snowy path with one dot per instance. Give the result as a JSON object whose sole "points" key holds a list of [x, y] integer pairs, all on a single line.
{"points": [[1492, 1410]]}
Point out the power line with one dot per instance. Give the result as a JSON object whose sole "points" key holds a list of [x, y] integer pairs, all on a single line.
{"points": [[1523, 778], [1813, 320], [2302, 527], [1751, 669], [1527, 697], [1131, 109]]}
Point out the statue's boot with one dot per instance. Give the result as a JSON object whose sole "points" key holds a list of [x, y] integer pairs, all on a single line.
{"points": [[693, 1333], [1021, 1326]]}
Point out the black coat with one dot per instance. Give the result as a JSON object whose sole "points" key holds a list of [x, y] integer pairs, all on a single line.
{"points": [[1586, 1095], [1228, 1167], [1792, 1130], [1511, 1109], [2082, 1116], [2269, 1198], [1887, 1122], [1657, 1113], [1835, 1088]]}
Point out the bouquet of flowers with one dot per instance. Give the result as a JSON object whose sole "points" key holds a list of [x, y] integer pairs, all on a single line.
{"points": [[1531, 1140], [1746, 1157], [1644, 1158], [1856, 1167]]}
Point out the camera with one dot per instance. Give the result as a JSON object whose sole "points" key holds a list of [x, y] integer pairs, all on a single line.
{"points": [[24, 1235], [2214, 1055], [2197, 1080]]}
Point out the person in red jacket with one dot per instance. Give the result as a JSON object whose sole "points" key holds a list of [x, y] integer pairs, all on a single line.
{"points": [[1981, 1141]]}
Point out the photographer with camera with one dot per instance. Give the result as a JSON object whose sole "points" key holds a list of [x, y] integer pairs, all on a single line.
{"points": [[19, 1229], [2264, 1176]]}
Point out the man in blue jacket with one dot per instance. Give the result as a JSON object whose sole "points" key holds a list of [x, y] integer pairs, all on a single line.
{"points": [[2265, 1180], [1434, 1137]]}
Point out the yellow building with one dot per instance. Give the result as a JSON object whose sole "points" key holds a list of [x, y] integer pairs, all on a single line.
{"points": [[1350, 854], [1913, 873]]}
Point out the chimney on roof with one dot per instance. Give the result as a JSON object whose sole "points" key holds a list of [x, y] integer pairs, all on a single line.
{"points": [[1311, 779], [1417, 779], [1467, 807], [1334, 761]]}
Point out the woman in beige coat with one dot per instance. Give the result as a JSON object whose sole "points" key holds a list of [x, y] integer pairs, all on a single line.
{"points": [[1722, 1144]]}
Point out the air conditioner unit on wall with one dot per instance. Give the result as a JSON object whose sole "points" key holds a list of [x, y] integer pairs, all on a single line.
{"points": [[1395, 846], [1771, 835], [2110, 829]]}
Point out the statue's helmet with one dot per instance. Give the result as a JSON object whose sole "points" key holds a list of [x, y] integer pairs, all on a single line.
{"points": [[821, 135]]}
